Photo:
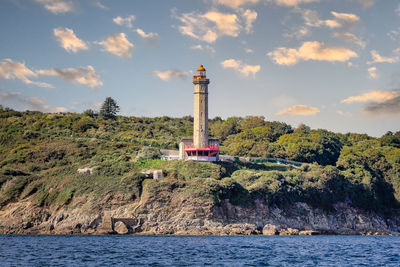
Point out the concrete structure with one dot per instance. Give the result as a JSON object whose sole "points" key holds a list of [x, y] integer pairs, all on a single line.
{"points": [[200, 148]]}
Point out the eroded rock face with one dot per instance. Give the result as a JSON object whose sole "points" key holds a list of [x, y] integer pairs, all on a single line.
{"points": [[121, 228], [171, 213]]}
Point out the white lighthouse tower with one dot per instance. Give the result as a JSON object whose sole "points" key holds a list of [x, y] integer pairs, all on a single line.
{"points": [[200, 148], [200, 114]]}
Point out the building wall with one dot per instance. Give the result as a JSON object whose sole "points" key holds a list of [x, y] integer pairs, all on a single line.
{"points": [[200, 115]]}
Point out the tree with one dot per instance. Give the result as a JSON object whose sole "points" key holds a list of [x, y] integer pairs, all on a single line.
{"points": [[109, 108], [90, 113]]}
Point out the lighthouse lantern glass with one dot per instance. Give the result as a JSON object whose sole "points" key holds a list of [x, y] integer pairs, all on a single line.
{"points": [[201, 73]]}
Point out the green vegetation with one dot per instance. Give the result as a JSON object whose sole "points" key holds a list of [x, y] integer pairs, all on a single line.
{"points": [[41, 153], [108, 109]]}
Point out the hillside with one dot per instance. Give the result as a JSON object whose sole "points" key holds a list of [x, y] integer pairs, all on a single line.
{"points": [[352, 184]]}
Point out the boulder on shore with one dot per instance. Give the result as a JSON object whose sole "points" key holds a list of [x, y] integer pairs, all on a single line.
{"points": [[121, 228]]}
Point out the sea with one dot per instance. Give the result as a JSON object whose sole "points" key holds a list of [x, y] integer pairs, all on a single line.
{"points": [[112, 250]]}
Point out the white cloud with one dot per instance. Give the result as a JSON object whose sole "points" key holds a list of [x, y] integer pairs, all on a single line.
{"points": [[226, 23], [68, 40], [166, 75], [350, 38], [293, 2], [57, 6], [250, 16], [376, 58], [348, 17], [311, 51], [373, 96], [31, 102], [85, 76], [249, 50], [206, 48], [150, 37], [10, 69], [301, 110], [244, 69], [340, 20], [372, 73], [209, 26], [127, 22], [235, 3], [118, 45]]}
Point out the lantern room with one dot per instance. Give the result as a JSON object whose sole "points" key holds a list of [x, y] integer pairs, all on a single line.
{"points": [[201, 73]]}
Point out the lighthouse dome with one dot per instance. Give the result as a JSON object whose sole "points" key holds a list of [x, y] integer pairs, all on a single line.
{"points": [[201, 68]]}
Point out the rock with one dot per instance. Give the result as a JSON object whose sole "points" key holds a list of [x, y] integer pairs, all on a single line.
{"points": [[289, 231], [270, 229], [86, 171], [121, 228], [309, 232], [27, 225]]}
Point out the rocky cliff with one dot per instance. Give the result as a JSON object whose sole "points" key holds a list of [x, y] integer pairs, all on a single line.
{"points": [[169, 213]]}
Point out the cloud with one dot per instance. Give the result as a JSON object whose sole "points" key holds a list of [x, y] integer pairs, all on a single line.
{"points": [[206, 48], [394, 34], [244, 69], [298, 32], [376, 58], [235, 3], [100, 5], [311, 51], [166, 75], [367, 3], [250, 16], [312, 19], [398, 10], [350, 38], [226, 23], [57, 6], [348, 17], [151, 37], [372, 73], [301, 110], [10, 69], [375, 96], [118, 45], [378, 102], [31, 102], [68, 40], [85, 76], [293, 2], [249, 50], [209, 26], [389, 107], [127, 22]]}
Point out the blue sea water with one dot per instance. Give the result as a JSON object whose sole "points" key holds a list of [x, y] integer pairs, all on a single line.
{"points": [[81, 250]]}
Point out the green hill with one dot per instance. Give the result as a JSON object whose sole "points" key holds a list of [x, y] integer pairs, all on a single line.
{"points": [[40, 155]]}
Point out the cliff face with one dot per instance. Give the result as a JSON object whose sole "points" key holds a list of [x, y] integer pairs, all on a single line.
{"points": [[170, 213]]}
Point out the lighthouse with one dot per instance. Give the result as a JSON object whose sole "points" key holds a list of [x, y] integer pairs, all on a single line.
{"points": [[200, 147], [200, 114]]}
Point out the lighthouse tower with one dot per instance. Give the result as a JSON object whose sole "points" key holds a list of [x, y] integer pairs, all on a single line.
{"points": [[200, 148], [200, 115]]}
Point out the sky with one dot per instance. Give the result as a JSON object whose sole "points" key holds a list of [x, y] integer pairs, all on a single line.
{"points": [[331, 64]]}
